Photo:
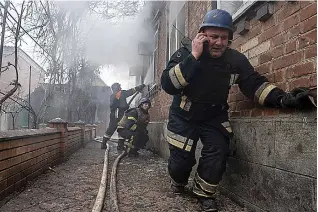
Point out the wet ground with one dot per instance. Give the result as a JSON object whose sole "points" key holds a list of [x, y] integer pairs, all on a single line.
{"points": [[143, 185]]}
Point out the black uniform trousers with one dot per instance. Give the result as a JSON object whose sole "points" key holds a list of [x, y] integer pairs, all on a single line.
{"points": [[113, 121], [135, 140], [183, 136]]}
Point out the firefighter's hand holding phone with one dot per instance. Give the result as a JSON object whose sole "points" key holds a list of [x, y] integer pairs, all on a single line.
{"points": [[199, 43]]}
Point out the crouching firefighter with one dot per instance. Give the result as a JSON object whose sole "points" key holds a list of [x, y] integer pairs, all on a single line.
{"points": [[133, 127], [199, 79], [118, 105]]}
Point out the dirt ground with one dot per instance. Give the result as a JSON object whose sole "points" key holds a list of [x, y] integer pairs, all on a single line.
{"points": [[143, 185]]}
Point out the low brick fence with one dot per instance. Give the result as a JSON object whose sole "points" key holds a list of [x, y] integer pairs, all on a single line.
{"points": [[25, 154]]}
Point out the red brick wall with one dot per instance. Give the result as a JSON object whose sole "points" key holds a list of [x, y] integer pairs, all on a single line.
{"points": [[196, 12], [25, 154], [22, 159], [161, 102], [88, 134], [73, 139], [100, 129], [283, 49]]}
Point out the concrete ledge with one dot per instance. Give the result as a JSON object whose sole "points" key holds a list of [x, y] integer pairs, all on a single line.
{"points": [[17, 134], [73, 128], [268, 188], [273, 161], [157, 138], [239, 200]]}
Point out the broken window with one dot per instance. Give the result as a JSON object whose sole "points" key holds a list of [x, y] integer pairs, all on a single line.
{"points": [[150, 75], [235, 8]]}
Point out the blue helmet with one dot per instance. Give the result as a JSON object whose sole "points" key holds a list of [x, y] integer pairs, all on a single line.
{"points": [[144, 100], [218, 18]]}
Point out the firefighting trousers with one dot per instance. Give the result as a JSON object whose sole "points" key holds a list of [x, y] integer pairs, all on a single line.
{"points": [[112, 126], [183, 136], [134, 140]]}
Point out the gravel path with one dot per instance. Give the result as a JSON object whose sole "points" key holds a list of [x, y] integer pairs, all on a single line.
{"points": [[143, 185]]}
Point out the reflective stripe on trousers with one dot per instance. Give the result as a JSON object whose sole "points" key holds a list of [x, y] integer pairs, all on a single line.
{"points": [[179, 141]]}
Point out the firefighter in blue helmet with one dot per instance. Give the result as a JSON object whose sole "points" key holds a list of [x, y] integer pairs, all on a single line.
{"points": [[118, 105], [199, 79], [133, 127]]}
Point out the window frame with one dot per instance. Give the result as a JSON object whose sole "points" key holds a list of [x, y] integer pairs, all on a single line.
{"points": [[241, 10], [174, 34], [152, 62], [155, 52]]}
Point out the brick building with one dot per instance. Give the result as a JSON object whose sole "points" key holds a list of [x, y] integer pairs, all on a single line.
{"points": [[273, 161]]}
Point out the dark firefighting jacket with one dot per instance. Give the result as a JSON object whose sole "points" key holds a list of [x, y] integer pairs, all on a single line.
{"points": [[118, 102], [135, 119], [200, 87]]}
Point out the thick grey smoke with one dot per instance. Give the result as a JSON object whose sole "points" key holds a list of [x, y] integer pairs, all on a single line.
{"points": [[117, 43], [113, 45]]}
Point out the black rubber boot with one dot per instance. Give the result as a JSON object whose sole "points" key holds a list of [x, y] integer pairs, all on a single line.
{"points": [[133, 153], [208, 204], [103, 145], [177, 189], [120, 145]]}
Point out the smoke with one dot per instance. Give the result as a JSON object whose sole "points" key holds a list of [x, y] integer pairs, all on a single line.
{"points": [[117, 73], [109, 44], [116, 44]]}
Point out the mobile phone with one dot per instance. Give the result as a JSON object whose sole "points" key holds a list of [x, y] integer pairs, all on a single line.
{"points": [[205, 52], [206, 46]]}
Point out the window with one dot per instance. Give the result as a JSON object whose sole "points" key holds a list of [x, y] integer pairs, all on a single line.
{"points": [[176, 26], [180, 24], [152, 65], [155, 52], [173, 39], [149, 77], [235, 8], [167, 41]]}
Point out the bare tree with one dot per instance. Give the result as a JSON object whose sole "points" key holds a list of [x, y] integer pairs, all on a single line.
{"points": [[115, 10], [13, 111], [15, 82], [4, 20]]}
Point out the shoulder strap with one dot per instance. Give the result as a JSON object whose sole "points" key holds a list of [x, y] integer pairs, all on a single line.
{"points": [[187, 43]]}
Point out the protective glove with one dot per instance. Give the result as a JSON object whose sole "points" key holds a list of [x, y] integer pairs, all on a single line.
{"points": [[140, 87], [313, 96], [297, 98]]}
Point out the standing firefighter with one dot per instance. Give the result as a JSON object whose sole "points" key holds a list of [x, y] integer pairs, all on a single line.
{"points": [[133, 127], [199, 80], [118, 105]]}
